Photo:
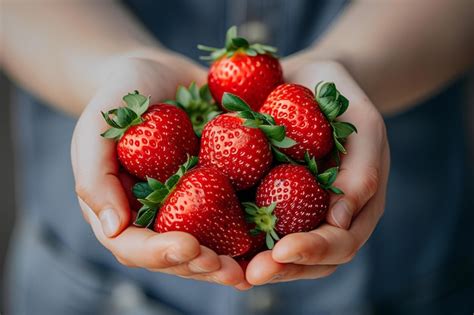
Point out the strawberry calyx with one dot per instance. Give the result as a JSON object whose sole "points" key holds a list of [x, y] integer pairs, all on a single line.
{"points": [[122, 118], [152, 193], [234, 44], [276, 134], [333, 104], [197, 103], [325, 179], [264, 221]]}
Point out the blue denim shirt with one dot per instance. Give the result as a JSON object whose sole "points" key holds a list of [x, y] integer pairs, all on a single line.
{"points": [[419, 260]]}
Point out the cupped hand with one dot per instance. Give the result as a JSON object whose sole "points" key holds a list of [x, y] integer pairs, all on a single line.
{"points": [[362, 176], [100, 185]]}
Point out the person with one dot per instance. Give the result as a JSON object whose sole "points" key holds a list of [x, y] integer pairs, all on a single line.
{"points": [[406, 62]]}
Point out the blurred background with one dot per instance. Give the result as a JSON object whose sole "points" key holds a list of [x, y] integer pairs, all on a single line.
{"points": [[8, 192], [7, 208]]}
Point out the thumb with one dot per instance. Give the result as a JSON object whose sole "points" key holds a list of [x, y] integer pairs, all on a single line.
{"points": [[96, 172]]}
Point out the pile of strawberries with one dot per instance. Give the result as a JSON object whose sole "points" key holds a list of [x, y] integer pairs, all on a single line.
{"points": [[233, 162]]}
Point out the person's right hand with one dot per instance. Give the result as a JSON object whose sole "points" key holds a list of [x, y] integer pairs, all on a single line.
{"points": [[100, 182]]}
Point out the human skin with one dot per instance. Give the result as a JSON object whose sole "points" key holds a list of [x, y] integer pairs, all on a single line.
{"points": [[85, 56]]}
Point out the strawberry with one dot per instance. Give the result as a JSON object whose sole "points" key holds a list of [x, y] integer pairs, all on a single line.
{"points": [[248, 71], [290, 199], [240, 144], [197, 103], [200, 201], [309, 119], [153, 141]]}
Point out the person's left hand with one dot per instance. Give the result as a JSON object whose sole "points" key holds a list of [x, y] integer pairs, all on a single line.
{"points": [[362, 176]]}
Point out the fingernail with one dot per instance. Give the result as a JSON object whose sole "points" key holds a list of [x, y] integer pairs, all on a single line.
{"points": [[290, 259], [197, 269], [173, 258], [341, 214], [275, 277], [109, 221]]}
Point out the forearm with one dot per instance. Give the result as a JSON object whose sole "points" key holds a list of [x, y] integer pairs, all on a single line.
{"points": [[61, 51], [400, 52]]}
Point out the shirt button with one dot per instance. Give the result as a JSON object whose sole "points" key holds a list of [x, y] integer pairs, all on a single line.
{"points": [[254, 32], [261, 300]]}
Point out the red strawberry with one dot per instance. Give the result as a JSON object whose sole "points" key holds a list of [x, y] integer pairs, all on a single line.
{"points": [[248, 71], [239, 144], [201, 202], [310, 120], [153, 141], [291, 199]]}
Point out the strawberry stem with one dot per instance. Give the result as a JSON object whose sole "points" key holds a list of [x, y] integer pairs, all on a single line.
{"points": [[333, 104], [325, 179], [276, 134], [233, 44], [264, 221], [197, 103], [122, 118]]}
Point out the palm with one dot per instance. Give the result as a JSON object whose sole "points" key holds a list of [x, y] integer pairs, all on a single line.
{"points": [[363, 178], [100, 183]]}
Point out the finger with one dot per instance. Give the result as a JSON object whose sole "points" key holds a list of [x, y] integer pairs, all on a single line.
{"points": [[229, 274], [96, 172], [332, 245], [358, 178], [370, 215], [327, 245], [208, 261], [139, 247], [359, 171], [263, 269]]}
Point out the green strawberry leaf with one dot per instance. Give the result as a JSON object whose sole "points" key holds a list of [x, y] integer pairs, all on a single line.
{"points": [[154, 184], [141, 190], [327, 178], [148, 203], [343, 129], [281, 157], [234, 43], [183, 95], [158, 195], [269, 241], [113, 133], [205, 93], [198, 104], [247, 114], [233, 103], [311, 163], [136, 102], [206, 48], [339, 146], [336, 190], [124, 117], [145, 216], [273, 132], [173, 180], [240, 42], [230, 35], [251, 52], [285, 143]]}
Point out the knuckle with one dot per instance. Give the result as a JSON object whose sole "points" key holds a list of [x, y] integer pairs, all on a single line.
{"points": [[328, 271], [370, 182], [81, 190], [351, 252], [316, 250]]}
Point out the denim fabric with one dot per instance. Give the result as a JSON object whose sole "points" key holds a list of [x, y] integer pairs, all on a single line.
{"points": [[420, 259]]}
